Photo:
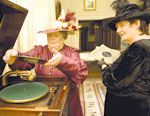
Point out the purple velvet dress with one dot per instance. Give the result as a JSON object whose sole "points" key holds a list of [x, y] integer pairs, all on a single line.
{"points": [[71, 67]]}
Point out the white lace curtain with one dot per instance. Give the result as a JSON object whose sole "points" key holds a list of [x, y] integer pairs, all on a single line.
{"points": [[40, 12]]}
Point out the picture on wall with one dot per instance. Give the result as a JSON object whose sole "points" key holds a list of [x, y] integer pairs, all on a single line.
{"points": [[89, 5]]}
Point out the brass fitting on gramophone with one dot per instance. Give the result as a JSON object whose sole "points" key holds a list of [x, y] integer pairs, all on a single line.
{"points": [[25, 75]]}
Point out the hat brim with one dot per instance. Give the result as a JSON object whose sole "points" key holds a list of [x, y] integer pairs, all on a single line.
{"points": [[140, 15], [56, 30]]}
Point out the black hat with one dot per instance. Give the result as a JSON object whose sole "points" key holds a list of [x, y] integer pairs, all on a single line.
{"points": [[129, 11]]}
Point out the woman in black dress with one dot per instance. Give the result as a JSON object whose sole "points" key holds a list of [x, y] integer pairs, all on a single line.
{"points": [[128, 79]]}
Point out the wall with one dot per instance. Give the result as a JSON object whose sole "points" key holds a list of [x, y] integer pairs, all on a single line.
{"points": [[103, 10]]}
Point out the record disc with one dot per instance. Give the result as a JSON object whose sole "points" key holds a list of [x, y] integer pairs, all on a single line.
{"points": [[23, 92], [32, 60]]}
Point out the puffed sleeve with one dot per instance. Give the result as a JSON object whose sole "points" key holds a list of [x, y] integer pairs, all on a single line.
{"points": [[73, 66]]}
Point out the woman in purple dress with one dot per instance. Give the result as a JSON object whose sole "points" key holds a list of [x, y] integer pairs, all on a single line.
{"points": [[63, 61]]}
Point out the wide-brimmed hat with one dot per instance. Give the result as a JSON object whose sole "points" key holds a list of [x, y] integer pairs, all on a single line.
{"points": [[129, 11], [66, 22]]}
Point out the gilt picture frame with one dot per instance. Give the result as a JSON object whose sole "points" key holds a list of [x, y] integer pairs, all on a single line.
{"points": [[89, 5]]}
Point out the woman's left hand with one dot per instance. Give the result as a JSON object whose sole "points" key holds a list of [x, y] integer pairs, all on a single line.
{"points": [[102, 64], [55, 60]]}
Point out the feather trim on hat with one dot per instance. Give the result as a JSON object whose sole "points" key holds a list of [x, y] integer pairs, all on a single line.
{"points": [[69, 16], [65, 22], [118, 4], [144, 4]]}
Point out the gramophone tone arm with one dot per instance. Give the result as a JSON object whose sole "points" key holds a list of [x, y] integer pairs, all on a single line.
{"points": [[25, 75]]}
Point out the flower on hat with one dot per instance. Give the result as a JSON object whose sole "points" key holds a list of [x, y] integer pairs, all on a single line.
{"points": [[65, 22]]}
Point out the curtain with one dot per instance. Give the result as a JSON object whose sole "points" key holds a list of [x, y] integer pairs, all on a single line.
{"points": [[40, 12]]}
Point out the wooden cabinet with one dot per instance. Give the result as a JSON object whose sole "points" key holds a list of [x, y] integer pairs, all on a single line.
{"points": [[50, 105]]}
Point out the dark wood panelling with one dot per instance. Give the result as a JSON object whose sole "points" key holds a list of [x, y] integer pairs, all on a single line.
{"points": [[100, 33], [106, 36]]}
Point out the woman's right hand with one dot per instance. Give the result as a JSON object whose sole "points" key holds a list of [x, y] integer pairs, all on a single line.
{"points": [[55, 60], [10, 56]]}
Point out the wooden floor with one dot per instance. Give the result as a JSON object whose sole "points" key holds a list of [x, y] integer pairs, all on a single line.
{"points": [[92, 95]]}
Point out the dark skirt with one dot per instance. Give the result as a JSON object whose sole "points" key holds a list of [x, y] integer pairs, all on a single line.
{"points": [[135, 105]]}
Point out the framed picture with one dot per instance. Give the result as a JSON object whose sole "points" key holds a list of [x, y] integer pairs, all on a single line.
{"points": [[89, 5]]}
